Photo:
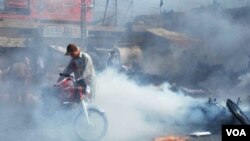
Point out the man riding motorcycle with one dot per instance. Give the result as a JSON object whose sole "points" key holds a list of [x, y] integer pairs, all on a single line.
{"points": [[82, 66]]}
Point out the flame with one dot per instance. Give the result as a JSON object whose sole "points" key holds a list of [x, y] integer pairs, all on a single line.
{"points": [[171, 138]]}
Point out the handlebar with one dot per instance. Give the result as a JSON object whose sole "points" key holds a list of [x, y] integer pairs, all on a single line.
{"points": [[80, 81], [66, 75]]}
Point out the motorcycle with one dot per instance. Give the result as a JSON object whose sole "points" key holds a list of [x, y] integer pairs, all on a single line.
{"points": [[90, 122]]}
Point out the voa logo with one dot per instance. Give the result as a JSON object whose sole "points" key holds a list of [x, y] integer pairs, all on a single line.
{"points": [[236, 132]]}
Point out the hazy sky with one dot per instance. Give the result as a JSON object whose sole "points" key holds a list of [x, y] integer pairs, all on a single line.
{"points": [[180, 5], [130, 8]]}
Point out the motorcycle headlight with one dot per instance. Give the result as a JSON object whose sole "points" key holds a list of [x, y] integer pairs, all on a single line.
{"points": [[88, 90]]}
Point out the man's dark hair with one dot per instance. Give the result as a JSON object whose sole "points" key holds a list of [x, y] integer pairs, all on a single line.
{"points": [[70, 48]]}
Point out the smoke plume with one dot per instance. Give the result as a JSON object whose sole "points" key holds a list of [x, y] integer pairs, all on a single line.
{"points": [[143, 112]]}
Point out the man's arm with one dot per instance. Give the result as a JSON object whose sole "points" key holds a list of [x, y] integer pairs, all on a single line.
{"points": [[89, 69], [67, 70]]}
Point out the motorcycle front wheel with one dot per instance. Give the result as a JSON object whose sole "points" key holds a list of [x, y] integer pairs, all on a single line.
{"points": [[93, 130]]}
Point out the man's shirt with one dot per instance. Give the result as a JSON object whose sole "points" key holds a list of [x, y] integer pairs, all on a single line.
{"points": [[82, 67]]}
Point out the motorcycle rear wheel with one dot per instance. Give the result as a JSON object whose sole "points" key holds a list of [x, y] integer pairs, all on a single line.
{"points": [[93, 131]]}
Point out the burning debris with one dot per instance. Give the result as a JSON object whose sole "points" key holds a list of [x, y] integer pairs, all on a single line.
{"points": [[171, 138]]}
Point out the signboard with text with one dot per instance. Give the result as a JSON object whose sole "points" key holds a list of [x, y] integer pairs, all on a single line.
{"points": [[17, 4], [62, 31], [18, 7], [57, 10], [61, 17], [51, 10]]}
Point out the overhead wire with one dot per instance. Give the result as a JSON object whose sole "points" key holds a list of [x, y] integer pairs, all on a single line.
{"points": [[123, 12]]}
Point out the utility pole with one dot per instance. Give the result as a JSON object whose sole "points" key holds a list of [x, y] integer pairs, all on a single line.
{"points": [[116, 13], [83, 24], [93, 8], [81, 20], [132, 10], [115, 3], [105, 13]]}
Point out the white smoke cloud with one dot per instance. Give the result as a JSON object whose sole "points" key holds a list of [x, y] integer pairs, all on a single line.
{"points": [[135, 112]]}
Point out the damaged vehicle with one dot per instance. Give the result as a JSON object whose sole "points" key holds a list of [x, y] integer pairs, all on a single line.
{"points": [[217, 114]]}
